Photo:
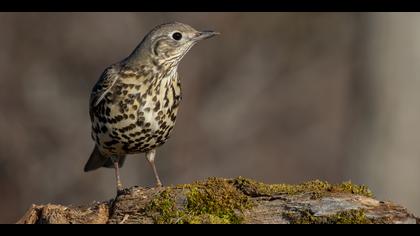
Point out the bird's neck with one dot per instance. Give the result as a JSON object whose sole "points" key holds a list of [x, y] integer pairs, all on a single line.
{"points": [[138, 57], [141, 58]]}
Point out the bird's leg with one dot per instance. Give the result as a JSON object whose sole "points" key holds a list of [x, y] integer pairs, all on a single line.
{"points": [[150, 155], [117, 174]]}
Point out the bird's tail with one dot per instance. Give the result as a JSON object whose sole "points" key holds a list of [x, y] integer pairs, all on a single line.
{"points": [[98, 160]]}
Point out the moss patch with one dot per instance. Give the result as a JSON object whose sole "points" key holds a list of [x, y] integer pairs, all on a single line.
{"points": [[163, 208], [223, 201], [213, 201], [349, 187], [316, 187], [345, 217], [217, 198]]}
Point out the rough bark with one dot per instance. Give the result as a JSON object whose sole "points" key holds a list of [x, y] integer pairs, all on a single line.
{"points": [[237, 200]]}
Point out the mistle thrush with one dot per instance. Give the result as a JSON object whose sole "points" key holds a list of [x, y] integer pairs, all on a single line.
{"points": [[134, 104]]}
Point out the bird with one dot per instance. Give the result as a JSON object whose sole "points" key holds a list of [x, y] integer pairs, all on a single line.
{"points": [[133, 105]]}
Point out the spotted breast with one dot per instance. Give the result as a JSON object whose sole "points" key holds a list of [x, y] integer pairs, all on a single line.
{"points": [[138, 113]]}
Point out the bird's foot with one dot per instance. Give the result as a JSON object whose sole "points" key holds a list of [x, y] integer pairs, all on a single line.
{"points": [[120, 189]]}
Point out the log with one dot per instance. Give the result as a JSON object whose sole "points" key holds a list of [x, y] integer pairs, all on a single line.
{"points": [[231, 201]]}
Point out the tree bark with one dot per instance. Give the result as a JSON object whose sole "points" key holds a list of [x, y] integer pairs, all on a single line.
{"points": [[237, 200]]}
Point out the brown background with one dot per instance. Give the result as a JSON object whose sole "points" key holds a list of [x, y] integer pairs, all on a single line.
{"points": [[279, 97]]}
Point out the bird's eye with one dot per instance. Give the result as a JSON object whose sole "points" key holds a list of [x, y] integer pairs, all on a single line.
{"points": [[177, 36]]}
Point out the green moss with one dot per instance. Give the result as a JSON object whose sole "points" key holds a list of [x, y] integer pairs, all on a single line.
{"points": [[217, 198], [349, 187], [221, 201], [163, 208], [315, 187], [345, 217], [214, 201]]}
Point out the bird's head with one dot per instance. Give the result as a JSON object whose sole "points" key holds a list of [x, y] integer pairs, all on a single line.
{"points": [[167, 44]]}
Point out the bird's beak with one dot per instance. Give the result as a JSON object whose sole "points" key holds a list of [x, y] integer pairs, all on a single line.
{"points": [[205, 35]]}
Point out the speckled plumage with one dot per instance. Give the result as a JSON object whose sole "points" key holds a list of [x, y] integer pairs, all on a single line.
{"points": [[136, 115], [134, 104]]}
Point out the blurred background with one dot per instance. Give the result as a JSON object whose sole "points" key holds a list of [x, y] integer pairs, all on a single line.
{"points": [[278, 97]]}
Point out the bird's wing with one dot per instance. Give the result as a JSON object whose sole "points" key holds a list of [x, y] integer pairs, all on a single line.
{"points": [[105, 83]]}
